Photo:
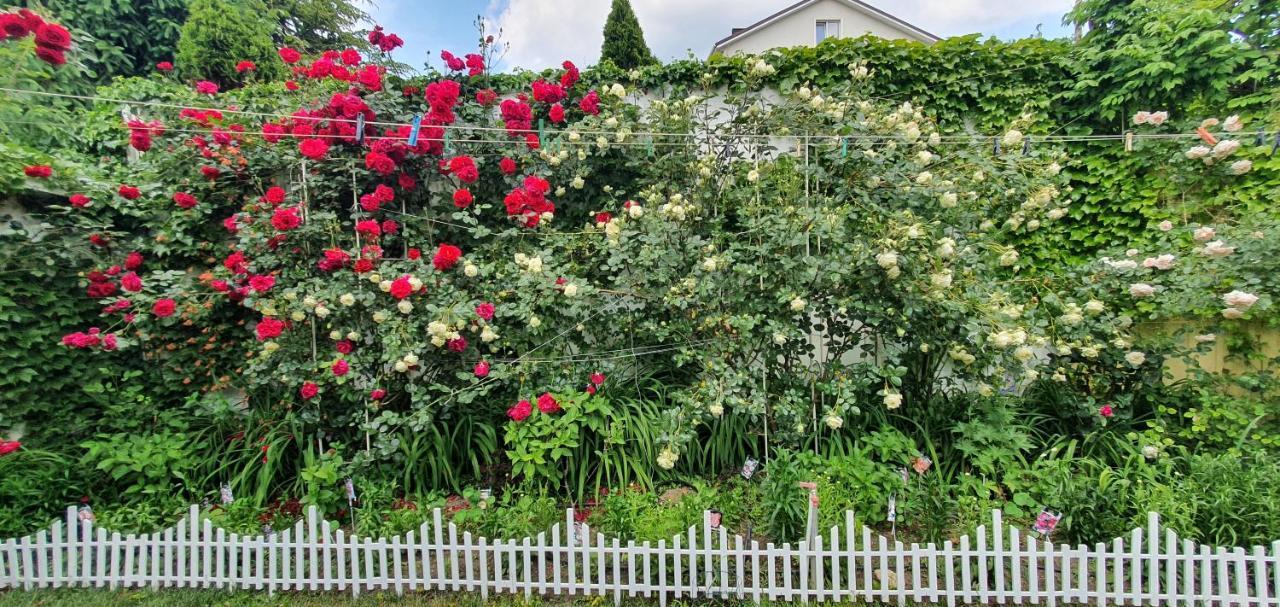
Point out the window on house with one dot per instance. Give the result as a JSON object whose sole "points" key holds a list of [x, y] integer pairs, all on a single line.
{"points": [[826, 28]]}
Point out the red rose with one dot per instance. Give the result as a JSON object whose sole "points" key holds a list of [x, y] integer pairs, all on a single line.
{"points": [[246, 66], [407, 181], [9, 446], [269, 328], [446, 257], [344, 346], [378, 394], [210, 173], [351, 56], [475, 64], [400, 287], [53, 36], [570, 75], [314, 149], [482, 369], [547, 403], [274, 195], [286, 218], [340, 367], [184, 200], [1105, 411], [557, 113], [129, 192], [545, 92], [262, 283], [531, 140], [41, 171], [485, 310], [309, 390], [140, 141], [590, 103], [164, 308], [99, 240], [133, 260], [520, 411], [230, 223], [414, 253], [369, 228], [597, 378], [130, 282], [289, 55], [51, 56], [370, 76], [379, 162], [363, 265], [507, 165], [462, 198], [165, 66], [290, 85], [204, 87], [486, 96], [457, 344], [13, 26], [80, 201]]}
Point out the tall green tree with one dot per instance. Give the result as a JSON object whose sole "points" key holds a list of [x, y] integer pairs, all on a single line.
{"points": [[624, 44], [219, 34], [318, 25]]}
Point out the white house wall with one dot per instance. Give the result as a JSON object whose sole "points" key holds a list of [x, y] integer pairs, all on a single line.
{"points": [[798, 28]]}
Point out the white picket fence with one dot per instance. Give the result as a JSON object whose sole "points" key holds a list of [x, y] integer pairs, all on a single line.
{"points": [[1153, 566]]}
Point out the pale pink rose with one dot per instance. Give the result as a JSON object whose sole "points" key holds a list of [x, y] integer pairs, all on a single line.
{"points": [[1141, 117], [1158, 118], [1232, 314], [1240, 167], [1240, 300], [1131, 253], [1166, 225], [1162, 262], [1217, 249], [1205, 233], [1141, 289], [1232, 124], [1198, 151], [1225, 148], [1208, 123]]}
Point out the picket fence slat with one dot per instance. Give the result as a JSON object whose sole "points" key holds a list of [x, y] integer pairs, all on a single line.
{"points": [[999, 564]]}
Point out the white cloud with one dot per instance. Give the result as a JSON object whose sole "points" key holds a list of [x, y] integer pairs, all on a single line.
{"points": [[543, 33]]}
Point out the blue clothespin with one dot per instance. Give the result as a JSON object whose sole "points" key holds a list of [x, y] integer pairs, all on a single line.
{"points": [[1026, 146], [1276, 146], [359, 129], [996, 142], [1262, 138], [413, 132]]}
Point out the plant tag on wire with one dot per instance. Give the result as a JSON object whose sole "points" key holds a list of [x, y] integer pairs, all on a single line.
{"points": [[749, 467], [921, 464], [351, 490], [224, 492], [1046, 522], [892, 514]]}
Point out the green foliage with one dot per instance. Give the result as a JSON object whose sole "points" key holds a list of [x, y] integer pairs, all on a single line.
{"points": [[35, 486], [217, 35], [127, 38], [150, 464], [624, 44]]}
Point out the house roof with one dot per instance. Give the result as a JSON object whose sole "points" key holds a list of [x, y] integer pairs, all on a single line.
{"points": [[858, 5]]}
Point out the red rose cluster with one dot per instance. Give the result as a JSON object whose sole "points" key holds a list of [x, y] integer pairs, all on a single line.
{"points": [[547, 404], [52, 40], [529, 202]]}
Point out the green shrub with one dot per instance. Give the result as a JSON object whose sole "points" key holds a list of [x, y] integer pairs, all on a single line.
{"points": [[219, 34]]}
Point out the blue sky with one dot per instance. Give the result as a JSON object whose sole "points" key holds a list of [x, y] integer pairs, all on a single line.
{"points": [[542, 33]]}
